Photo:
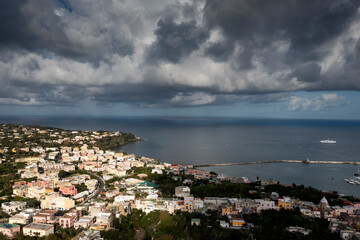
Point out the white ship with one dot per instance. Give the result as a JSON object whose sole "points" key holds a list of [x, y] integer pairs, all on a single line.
{"points": [[328, 141]]}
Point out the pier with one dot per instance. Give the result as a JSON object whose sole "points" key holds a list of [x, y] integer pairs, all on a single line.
{"points": [[307, 161]]}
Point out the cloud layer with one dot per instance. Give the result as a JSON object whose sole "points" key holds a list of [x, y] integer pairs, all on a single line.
{"points": [[176, 53]]}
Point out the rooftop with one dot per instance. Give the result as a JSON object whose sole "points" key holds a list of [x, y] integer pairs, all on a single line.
{"points": [[39, 226], [8, 225]]}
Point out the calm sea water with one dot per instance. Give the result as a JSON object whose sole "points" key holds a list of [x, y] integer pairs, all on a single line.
{"points": [[206, 140]]}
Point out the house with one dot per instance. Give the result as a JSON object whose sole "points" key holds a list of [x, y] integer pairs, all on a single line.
{"points": [[189, 204], [124, 198], [347, 234], [9, 230], [68, 220], [38, 229], [24, 217], [62, 203], [195, 221], [237, 222], [182, 191], [105, 219], [68, 190], [296, 229], [45, 216], [176, 178], [91, 235], [224, 224], [158, 171], [284, 203], [11, 207], [85, 222]]}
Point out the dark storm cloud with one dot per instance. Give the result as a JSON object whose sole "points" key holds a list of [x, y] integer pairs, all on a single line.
{"points": [[309, 72], [257, 24], [306, 23], [220, 51], [176, 53], [176, 41], [35, 25]]}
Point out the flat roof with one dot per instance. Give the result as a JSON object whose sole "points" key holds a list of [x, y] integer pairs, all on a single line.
{"points": [[39, 226], [8, 225]]}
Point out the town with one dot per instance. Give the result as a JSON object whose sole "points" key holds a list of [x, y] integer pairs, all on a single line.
{"points": [[65, 184]]}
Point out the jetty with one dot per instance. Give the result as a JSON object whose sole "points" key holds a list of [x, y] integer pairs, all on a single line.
{"points": [[307, 161]]}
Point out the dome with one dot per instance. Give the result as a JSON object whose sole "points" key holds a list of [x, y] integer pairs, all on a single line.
{"points": [[324, 201]]}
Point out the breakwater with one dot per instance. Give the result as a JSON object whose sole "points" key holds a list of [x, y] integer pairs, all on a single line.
{"points": [[307, 161]]}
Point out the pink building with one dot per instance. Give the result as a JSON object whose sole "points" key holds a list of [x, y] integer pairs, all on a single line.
{"points": [[68, 190], [69, 219], [45, 216], [9, 230], [46, 184]]}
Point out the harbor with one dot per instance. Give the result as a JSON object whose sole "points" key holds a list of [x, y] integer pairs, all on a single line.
{"points": [[307, 161]]}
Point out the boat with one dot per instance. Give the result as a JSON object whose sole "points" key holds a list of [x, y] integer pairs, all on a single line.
{"points": [[328, 141], [357, 174]]}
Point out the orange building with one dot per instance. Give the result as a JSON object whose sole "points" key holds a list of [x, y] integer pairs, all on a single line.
{"points": [[68, 190], [284, 203]]}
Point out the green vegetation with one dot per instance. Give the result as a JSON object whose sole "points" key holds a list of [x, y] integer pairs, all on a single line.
{"points": [[81, 187], [162, 225], [30, 202], [270, 224], [226, 189], [63, 174], [106, 143], [303, 193]]}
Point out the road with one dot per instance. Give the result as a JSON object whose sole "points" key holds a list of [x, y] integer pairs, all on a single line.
{"points": [[100, 188]]}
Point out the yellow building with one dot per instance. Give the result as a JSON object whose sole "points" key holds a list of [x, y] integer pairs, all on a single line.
{"points": [[226, 209], [55, 201], [100, 227], [38, 192], [189, 204], [237, 222], [63, 203], [284, 203], [29, 159]]}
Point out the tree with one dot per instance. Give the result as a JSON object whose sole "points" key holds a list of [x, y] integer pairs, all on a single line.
{"points": [[63, 174], [33, 203]]}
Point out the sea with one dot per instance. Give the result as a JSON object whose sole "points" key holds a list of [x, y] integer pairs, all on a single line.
{"points": [[230, 140]]}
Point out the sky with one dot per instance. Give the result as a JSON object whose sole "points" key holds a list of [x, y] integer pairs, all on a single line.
{"points": [[222, 58]]}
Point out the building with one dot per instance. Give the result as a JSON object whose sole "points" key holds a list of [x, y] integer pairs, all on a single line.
{"points": [[24, 217], [68, 220], [324, 204], [11, 207], [105, 219], [91, 235], [68, 190], [195, 221], [45, 216], [189, 204], [85, 222], [54, 201], [237, 222], [9, 230], [284, 203], [182, 191], [38, 229]]}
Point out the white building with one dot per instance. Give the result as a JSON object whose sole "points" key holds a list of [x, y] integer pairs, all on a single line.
{"points": [[124, 198], [11, 207], [182, 191], [38, 229]]}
